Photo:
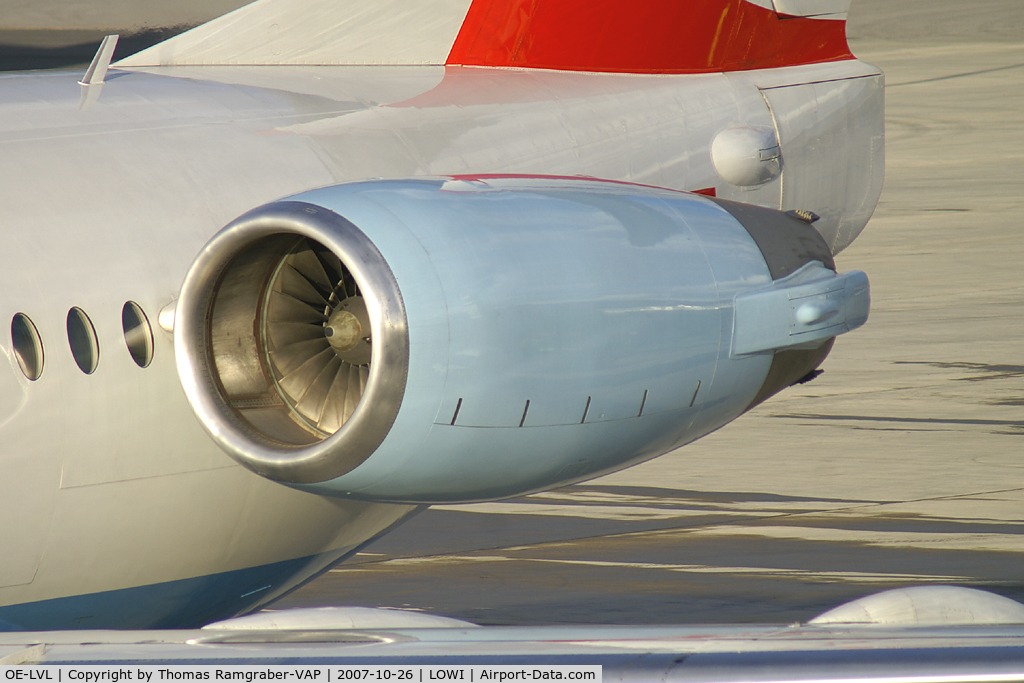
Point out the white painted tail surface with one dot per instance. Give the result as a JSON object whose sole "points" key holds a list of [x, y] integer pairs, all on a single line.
{"points": [[314, 32], [819, 9]]}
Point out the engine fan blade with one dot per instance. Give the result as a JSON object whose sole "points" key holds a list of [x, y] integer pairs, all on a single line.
{"points": [[306, 262], [287, 359], [295, 284], [353, 393], [298, 381], [285, 308], [281, 335], [332, 264], [314, 400], [333, 415]]}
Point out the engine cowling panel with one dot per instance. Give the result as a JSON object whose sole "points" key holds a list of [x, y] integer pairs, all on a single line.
{"points": [[523, 333]]}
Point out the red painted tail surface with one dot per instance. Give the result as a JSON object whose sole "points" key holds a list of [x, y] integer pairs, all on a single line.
{"points": [[643, 36]]}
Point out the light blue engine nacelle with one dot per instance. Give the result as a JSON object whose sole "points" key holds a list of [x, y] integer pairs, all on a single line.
{"points": [[446, 339]]}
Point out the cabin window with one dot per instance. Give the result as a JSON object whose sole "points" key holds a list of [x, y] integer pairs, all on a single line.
{"points": [[138, 334], [82, 337], [28, 347]]}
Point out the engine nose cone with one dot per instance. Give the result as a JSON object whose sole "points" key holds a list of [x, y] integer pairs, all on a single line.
{"points": [[343, 331], [348, 331]]}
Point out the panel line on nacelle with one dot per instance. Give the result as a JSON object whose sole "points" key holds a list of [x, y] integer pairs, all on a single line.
{"points": [[458, 407]]}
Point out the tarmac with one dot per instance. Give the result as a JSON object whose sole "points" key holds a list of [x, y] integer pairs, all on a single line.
{"points": [[903, 464]]}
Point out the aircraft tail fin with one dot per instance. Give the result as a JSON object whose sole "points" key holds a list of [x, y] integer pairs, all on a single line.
{"points": [[652, 36], [625, 36]]}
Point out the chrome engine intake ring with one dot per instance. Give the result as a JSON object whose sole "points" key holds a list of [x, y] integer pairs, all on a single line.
{"points": [[292, 342]]}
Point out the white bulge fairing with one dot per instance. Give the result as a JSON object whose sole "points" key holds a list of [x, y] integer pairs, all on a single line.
{"points": [[253, 317]]}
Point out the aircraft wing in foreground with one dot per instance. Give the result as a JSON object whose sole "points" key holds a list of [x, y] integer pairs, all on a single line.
{"points": [[392, 254], [917, 635]]}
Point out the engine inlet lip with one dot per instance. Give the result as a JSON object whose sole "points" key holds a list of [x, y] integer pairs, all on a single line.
{"points": [[372, 419]]}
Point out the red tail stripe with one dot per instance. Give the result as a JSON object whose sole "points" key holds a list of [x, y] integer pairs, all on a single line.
{"points": [[642, 36]]}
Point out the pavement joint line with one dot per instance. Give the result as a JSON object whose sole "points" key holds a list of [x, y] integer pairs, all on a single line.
{"points": [[542, 544], [676, 530], [910, 420], [692, 568], [946, 78], [859, 506]]}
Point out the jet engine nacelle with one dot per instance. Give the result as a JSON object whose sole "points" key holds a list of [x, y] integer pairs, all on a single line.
{"points": [[446, 339]]}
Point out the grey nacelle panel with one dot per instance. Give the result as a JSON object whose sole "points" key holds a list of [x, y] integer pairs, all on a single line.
{"points": [[563, 299], [551, 307]]}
